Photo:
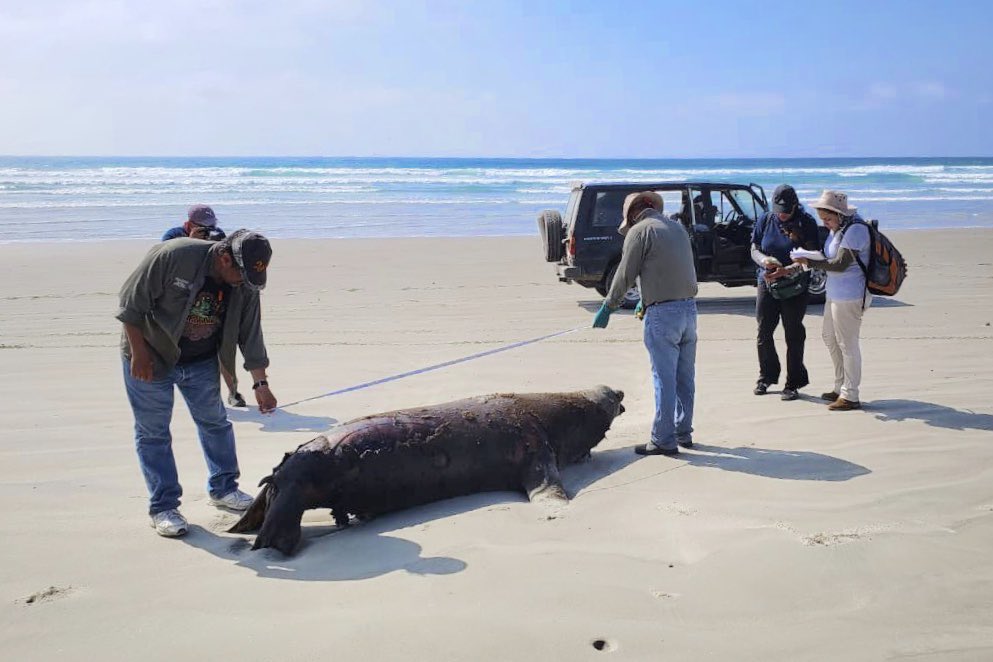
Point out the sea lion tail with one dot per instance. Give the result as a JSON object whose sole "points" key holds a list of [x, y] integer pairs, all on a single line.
{"points": [[255, 515]]}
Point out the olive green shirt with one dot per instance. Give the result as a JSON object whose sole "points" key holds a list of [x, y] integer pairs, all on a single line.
{"points": [[158, 296], [657, 252]]}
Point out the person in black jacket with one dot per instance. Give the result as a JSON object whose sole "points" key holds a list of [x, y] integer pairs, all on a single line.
{"points": [[776, 233]]}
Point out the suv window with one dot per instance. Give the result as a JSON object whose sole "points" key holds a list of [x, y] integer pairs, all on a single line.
{"points": [[609, 204], [607, 210]]}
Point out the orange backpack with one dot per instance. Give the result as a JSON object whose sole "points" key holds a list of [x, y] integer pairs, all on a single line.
{"points": [[887, 269]]}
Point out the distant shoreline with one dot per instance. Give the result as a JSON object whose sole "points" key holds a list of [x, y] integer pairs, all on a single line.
{"points": [[574, 159], [428, 238]]}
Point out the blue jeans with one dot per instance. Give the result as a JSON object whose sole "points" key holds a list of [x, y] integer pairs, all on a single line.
{"points": [[151, 403], [670, 337]]}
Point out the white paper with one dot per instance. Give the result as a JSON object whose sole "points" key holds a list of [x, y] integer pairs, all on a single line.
{"points": [[804, 253]]}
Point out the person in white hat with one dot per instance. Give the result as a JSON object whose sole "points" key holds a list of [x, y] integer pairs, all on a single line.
{"points": [[846, 250], [658, 254]]}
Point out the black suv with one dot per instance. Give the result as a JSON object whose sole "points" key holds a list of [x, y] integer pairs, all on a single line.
{"points": [[718, 217]]}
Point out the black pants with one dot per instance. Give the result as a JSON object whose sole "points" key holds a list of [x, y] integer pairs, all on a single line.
{"points": [[768, 311]]}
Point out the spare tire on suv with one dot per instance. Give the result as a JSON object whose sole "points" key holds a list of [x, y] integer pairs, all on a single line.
{"points": [[552, 232]]}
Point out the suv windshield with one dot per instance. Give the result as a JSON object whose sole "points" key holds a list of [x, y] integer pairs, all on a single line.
{"points": [[745, 202]]}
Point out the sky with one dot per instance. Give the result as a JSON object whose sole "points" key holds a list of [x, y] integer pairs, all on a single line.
{"points": [[496, 78]]}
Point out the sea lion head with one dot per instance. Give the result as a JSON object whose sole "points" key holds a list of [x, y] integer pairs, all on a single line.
{"points": [[585, 422], [607, 399]]}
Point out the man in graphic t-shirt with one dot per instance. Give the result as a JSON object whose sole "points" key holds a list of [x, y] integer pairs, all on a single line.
{"points": [[201, 223], [188, 305]]}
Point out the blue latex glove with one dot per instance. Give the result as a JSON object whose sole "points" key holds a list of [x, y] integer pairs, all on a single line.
{"points": [[639, 310], [602, 317]]}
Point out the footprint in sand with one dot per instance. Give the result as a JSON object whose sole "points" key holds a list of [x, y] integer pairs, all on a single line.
{"points": [[828, 539], [48, 595], [222, 522], [677, 508]]}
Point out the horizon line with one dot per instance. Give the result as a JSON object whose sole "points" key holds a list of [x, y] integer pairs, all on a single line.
{"points": [[478, 158]]}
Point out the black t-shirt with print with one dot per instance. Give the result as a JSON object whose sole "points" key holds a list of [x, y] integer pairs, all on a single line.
{"points": [[202, 333]]}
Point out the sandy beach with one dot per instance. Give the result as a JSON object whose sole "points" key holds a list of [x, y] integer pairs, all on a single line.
{"points": [[789, 533]]}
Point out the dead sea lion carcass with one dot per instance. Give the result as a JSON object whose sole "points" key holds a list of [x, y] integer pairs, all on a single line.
{"points": [[399, 459]]}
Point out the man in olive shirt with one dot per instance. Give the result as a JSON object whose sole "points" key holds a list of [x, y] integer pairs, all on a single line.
{"points": [[657, 252], [187, 306]]}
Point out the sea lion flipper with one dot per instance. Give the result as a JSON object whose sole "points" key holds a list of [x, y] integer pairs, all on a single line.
{"points": [[541, 480], [252, 519]]}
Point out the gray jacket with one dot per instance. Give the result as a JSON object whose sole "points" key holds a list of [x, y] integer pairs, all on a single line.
{"points": [[158, 296], [657, 252]]}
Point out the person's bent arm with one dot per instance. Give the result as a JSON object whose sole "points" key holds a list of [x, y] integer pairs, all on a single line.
{"points": [[252, 346], [839, 262], [626, 274], [760, 258]]}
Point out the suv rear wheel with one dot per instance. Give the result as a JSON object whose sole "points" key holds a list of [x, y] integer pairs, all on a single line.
{"points": [[817, 287], [552, 234], [631, 297]]}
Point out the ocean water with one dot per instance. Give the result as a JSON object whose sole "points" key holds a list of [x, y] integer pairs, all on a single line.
{"points": [[98, 198]]}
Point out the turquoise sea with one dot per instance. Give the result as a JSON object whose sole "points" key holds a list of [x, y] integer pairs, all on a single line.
{"points": [[99, 198]]}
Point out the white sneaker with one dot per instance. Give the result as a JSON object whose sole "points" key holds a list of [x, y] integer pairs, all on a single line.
{"points": [[169, 523], [236, 500]]}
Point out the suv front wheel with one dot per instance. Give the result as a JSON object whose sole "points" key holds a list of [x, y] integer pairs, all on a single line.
{"points": [[631, 297]]}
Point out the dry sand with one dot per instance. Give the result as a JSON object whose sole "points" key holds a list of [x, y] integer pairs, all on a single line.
{"points": [[790, 533]]}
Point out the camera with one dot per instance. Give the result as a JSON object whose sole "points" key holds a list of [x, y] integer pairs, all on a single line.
{"points": [[215, 234], [209, 234]]}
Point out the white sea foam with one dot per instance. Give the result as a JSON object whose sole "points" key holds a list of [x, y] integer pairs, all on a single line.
{"points": [[62, 198]]}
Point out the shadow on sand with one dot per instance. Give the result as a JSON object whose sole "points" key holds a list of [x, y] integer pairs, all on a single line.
{"points": [[364, 550], [361, 551], [281, 420], [780, 464], [705, 306], [744, 306], [765, 462], [934, 415]]}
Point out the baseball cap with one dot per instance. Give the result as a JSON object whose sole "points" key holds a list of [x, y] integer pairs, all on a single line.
{"points": [[784, 199], [251, 252], [202, 215]]}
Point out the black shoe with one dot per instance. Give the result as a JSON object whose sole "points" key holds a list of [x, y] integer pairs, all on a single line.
{"points": [[649, 449], [761, 388], [789, 394], [236, 400], [685, 443]]}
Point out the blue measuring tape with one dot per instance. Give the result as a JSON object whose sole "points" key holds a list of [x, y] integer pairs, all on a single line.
{"points": [[438, 366]]}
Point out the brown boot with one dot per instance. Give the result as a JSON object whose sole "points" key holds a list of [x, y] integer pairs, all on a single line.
{"points": [[830, 396], [844, 405]]}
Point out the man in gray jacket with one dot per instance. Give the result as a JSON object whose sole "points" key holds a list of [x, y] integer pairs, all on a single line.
{"points": [[188, 305], [657, 252]]}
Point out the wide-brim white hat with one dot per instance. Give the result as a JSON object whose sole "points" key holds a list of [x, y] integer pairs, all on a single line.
{"points": [[835, 201]]}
